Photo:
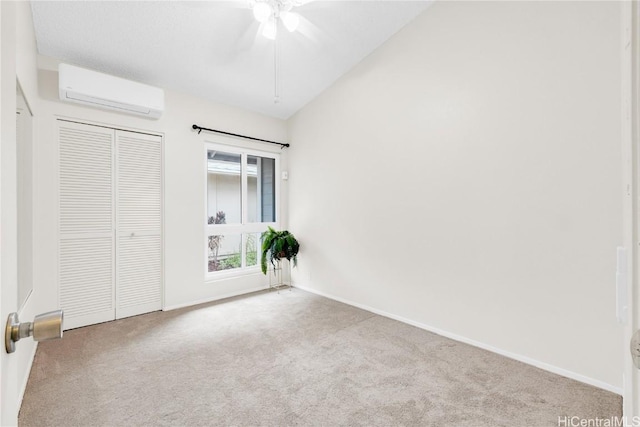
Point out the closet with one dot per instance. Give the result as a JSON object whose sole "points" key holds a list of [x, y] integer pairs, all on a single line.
{"points": [[110, 262]]}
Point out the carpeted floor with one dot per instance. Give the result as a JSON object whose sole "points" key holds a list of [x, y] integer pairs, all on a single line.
{"points": [[288, 358]]}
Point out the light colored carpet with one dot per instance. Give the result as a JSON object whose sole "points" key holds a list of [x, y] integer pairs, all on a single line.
{"points": [[291, 358]]}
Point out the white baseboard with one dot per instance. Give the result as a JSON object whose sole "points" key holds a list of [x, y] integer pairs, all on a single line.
{"points": [[455, 337], [215, 298], [23, 387]]}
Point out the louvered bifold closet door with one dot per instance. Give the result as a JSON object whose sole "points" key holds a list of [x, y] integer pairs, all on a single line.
{"points": [[139, 223], [86, 224]]}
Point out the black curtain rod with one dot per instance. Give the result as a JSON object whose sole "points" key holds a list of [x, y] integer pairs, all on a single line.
{"points": [[200, 129]]}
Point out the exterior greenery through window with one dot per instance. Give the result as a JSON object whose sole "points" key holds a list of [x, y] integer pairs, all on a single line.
{"points": [[241, 204]]}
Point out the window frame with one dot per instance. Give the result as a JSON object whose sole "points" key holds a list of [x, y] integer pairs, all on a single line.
{"points": [[244, 228]]}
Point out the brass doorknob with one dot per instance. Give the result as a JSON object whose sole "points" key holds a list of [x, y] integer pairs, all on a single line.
{"points": [[45, 326]]}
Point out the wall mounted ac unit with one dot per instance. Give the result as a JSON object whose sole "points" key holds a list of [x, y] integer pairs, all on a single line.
{"points": [[100, 90]]}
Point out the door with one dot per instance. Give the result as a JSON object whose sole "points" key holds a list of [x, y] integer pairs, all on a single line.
{"points": [[8, 218], [110, 223], [86, 222], [631, 157], [9, 364], [138, 223]]}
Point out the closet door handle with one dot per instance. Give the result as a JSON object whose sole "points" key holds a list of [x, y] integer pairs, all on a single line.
{"points": [[133, 234]]}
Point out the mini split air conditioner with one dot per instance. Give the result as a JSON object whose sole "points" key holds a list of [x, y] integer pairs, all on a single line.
{"points": [[95, 89]]}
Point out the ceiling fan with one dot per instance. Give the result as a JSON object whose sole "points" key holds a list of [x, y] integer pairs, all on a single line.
{"points": [[270, 12]]}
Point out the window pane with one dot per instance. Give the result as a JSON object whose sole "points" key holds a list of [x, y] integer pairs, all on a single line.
{"points": [[224, 188], [224, 252], [252, 247], [261, 186]]}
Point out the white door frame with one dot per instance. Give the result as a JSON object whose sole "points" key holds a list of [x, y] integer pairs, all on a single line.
{"points": [[631, 188]]}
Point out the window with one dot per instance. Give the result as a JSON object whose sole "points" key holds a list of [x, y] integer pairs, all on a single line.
{"points": [[242, 196]]}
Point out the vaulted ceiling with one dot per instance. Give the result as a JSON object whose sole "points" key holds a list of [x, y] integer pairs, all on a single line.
{"points": [[214, 49]]}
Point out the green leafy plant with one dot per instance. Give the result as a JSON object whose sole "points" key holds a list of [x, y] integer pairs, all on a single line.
{"points": [[252, 254], [277, 245], [220, 218], [235, 261], [216, 241]]}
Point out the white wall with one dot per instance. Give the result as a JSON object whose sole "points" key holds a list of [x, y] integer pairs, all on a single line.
{"points": [[466, 177], [24, 164], [185, 181]]}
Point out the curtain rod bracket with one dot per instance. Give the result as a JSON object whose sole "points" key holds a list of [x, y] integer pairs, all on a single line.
{"points": [[200, 129]]}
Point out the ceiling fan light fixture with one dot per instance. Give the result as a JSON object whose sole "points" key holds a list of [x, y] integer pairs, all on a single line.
{"points": [[262, 11], [270, 29], [290, 20]]}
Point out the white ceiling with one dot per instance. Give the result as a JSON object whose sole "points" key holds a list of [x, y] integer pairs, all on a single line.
{"points": [[213, 49]]}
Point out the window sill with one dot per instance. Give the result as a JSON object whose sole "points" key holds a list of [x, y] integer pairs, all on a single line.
{"points": [[212, 278]]}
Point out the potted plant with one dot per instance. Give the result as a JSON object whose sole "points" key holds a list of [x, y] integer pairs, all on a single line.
{"points": [[277, 245]]}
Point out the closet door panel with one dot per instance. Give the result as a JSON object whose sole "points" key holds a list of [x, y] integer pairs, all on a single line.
{"points": [[86, 223], [139, 183], [86, 187], [86, 277], [139, 275], [139, 223]]}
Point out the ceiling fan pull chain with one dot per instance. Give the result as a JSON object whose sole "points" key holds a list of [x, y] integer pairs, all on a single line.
{"points": [[276, 89]]}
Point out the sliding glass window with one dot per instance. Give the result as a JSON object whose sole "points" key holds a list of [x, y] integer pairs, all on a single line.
{"points": [[242, 200]]}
